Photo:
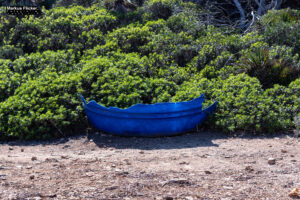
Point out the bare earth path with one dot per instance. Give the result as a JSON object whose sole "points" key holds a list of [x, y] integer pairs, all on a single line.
{"points": [[193, 166]]}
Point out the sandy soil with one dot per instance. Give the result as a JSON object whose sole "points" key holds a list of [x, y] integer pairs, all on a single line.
{"points": [[193, 166]]}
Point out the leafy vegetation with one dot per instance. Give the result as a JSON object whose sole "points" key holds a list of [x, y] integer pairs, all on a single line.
{"points": [[162, 51]]}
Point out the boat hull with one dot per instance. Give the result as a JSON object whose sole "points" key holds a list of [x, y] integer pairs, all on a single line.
{"points": [[134, 122]]}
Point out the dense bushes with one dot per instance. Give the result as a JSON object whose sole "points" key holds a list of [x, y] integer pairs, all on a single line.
{"points": [[244, 105], [272, 66], [41, 106], [161, 52], [282, 28]]}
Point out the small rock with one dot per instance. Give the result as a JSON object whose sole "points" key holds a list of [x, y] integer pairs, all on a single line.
{"points": [[127, 162], [81, 153], [228, 187], [293, 160], [29, 167], [141, 152], [271, 161], [168, 198], [183, 163], [22, 150], [207, 172], [10, 148], [3, 167], [124, 173], [292, 156], [64, 157], [113, 165], [111, 188], [249, 169], [2, 177], [31, 177], [51, 160], [288, 185], [189, 198], [179, 181], [52, 195], [33, 158], [283, 151], [66, 146]]}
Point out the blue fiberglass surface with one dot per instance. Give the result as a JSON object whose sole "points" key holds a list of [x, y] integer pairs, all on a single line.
{"points": [[148, 120]]}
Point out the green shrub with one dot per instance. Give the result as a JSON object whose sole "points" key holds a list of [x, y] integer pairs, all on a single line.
{"points": [[9, 80], [35, 63], [130, 38], [186, 22], [193, 88], [41, 108], [271, 67], [10, 52], [281, 27], [26, 35], [161, 8], [243, 104]]}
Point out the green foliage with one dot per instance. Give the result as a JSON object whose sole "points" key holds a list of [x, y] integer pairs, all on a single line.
{"points": [[161, 52], [9, 81], [244, 105], [282, 28], [161, 8], [10, 52], [26, 35], [185, 22], [271, 67], [130, 38], [41, 105]]}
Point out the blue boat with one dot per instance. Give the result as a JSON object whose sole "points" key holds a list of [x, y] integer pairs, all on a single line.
{"points": [[148, 120]]}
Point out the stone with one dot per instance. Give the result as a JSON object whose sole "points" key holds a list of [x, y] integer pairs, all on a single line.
{"points": [[2, 177], [112, 188], [249, 169], [31, 177], [33, 158], [271, 161], [183, 163], [66, 146], [10, 148]]}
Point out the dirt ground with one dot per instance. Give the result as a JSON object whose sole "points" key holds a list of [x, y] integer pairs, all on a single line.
{"points": [[192, 166]]}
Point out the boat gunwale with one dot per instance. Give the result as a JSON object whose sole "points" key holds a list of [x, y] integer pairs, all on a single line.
{"points": [[123, 110]]}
